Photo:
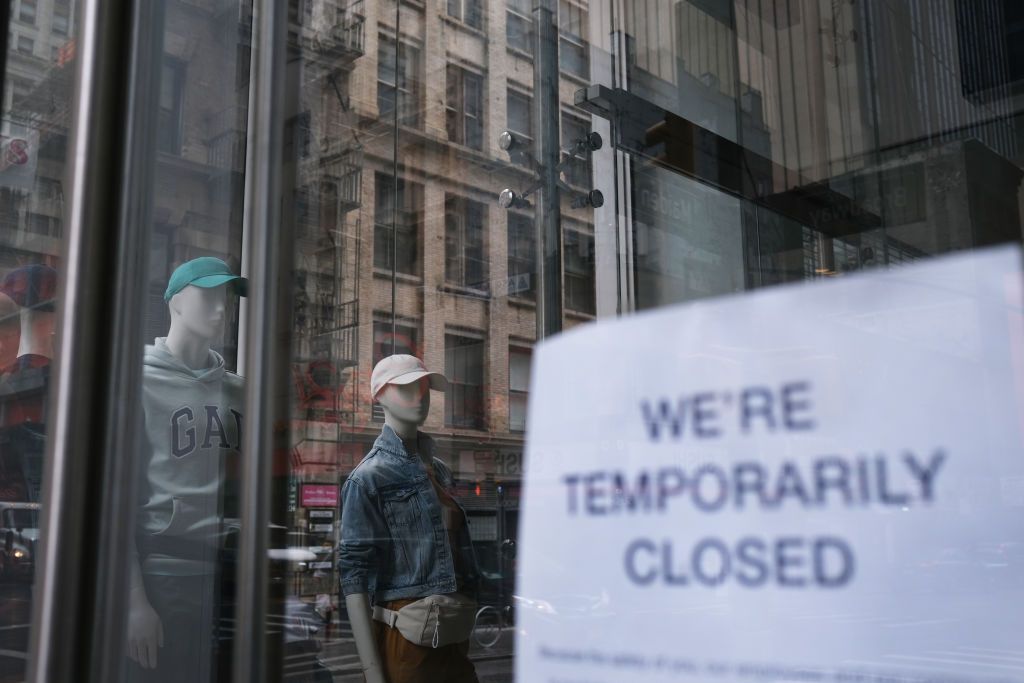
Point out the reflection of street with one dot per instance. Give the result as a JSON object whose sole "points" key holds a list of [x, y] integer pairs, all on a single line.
{"points": [[15, 615], [338, 652], [310, 647], [493, 665]]}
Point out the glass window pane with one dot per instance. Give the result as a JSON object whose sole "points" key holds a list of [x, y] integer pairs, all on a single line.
{"points": [[474, 13], [517, 413], [519, 370], [519, 120], [746, 144], [519, 32]]}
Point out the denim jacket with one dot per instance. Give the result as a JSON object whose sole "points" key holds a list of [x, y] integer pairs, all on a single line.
{"points": [[393, 540]]}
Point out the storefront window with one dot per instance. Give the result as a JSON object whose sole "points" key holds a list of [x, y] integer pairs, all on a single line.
{"points": [[461, 180]]}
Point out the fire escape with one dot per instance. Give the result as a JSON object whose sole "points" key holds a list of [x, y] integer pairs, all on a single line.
{"points": [[329, 257], [328, 36]]}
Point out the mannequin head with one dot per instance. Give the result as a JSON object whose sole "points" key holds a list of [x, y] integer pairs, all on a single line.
{"points": [[401, 384], [198, 312], [405, 405], [197, 297]]}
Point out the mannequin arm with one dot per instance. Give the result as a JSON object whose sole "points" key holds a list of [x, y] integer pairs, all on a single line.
{"points": [[361, 617], [145, 631]]}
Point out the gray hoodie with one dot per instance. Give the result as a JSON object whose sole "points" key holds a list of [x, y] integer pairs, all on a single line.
{"points": [[193, 425]]}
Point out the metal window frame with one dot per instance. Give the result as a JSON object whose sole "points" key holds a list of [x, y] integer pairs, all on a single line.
{"points": [[267, 265], [80, 612]]}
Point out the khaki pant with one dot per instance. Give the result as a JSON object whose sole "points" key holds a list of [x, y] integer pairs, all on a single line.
{"points": [[405, 662]]}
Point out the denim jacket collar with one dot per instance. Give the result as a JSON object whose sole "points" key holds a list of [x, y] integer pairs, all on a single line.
{"points": [[390, 442]]}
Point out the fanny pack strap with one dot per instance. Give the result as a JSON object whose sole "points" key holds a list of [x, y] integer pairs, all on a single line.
{"points": [[385, 615]]}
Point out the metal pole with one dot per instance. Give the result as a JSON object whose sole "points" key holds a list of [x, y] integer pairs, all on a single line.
{"points": [[117, 512], [262, 225], [547, 216], [501, 548], [394, 171], [5, 26]]}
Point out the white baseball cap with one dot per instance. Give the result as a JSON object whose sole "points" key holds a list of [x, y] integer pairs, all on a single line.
{"points": [[402, 368]]}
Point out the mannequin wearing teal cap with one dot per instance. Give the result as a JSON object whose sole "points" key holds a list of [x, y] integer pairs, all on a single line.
{"points": [[204, 272], [193, 422]]}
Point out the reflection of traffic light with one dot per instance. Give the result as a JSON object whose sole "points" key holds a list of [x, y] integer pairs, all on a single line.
{"points": [[476, 490]]}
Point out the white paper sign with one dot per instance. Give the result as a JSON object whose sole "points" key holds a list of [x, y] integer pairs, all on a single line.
{"points": [[815, 482]]}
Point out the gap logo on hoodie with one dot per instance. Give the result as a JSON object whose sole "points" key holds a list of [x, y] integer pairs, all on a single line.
{"points": [[193, 425], [205, 431]]}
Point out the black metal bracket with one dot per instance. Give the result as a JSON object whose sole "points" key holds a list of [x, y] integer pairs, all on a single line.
{"points": [[519, 152]]}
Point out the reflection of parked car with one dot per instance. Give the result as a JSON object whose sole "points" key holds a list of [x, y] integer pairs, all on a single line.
{"points": [[19, 532], [298, 625]]}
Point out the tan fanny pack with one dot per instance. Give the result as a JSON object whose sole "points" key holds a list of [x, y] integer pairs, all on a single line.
{"points": [[433, 621]]}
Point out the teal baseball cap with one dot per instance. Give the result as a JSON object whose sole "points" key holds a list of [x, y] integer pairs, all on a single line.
{"points": [[205, 272]]}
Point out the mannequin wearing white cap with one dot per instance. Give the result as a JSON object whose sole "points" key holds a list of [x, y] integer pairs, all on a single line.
{"points": [[401, 384], [405, 408], [193, 423]]}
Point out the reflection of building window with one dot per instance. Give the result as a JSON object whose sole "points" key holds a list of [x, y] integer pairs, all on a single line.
{"points": [[572, 47], [518, 121], [578, 256], [465, 260], [300, 12], [407, 222], [522, 257], [469, 11], [303, 134], [577, 173], [519, 25], [61, 23], [172, 89], [519, 115], [518, 388], [406, 82], [302, 213], [48, 188], [328, 206], [27, 12], [243, 59], [26, 45], [43, 225], [405, 337], [464, 368], [20, 89], [464, 107]]}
